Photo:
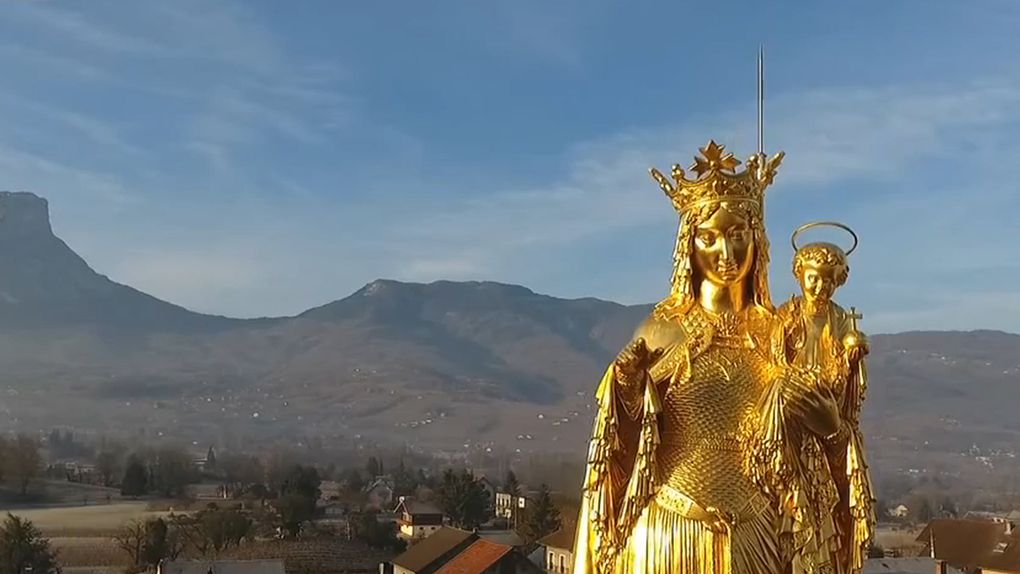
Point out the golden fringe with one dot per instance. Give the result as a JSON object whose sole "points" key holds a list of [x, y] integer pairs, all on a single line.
{"points": [[665, 542]]}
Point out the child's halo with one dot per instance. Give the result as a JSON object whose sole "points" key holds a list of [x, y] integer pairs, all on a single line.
{"points": [[813, 224]]}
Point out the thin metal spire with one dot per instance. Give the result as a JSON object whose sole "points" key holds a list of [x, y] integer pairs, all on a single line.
{"points": [[761, 100]]}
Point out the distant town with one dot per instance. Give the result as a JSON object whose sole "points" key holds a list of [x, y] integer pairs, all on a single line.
{"points": [[105, 507]]}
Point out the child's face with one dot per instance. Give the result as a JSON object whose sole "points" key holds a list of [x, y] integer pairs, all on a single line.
{"points": [[818, 282]]}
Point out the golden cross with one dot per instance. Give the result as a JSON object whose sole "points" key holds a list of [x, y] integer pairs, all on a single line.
{"points": [[854, 316]]}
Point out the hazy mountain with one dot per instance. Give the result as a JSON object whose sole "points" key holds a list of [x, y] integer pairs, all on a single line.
{"points": [[442, 364], [44, 283]]}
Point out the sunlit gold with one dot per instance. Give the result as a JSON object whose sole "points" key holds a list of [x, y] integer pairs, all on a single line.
{"points": [[814, 224], [716, 447]]}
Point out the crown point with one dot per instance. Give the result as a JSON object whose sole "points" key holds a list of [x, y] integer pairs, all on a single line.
{"points": [[718, 179]]}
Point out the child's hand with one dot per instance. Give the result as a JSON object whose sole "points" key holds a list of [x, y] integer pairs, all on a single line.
{"points": [[856, 345]]}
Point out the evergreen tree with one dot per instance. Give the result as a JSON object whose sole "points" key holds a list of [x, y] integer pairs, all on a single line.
{"points": [[542, 518], [354, 481], [373, 468], [375, 533], [302, 481], [136, 479], [405, 483], [463, 499], [23, 549], [511, 485], [210, 459], [292, 511]]}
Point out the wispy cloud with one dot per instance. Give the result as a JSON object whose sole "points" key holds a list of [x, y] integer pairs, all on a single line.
{"points": [[840, 144], [210, 153], [75, 27]]}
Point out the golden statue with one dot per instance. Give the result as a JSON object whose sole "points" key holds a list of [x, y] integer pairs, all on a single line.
{"points": [[690, 466], [829, 481]]}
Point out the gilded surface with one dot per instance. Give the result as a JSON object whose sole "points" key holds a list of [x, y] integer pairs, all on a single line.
{"points": [[726, 437]]}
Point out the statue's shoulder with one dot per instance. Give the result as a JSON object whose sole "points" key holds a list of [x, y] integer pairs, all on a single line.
{"points": [[838, 311], [790, 309], [659, 331]]}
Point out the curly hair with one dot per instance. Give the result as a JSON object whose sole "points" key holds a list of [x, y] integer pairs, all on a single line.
{"points": [[822, 255]]}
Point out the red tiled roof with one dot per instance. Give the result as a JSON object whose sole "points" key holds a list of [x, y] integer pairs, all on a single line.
{"points": [[476, 558], [423, 554]]}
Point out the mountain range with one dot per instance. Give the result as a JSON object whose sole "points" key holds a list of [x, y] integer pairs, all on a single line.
{"points": [[438, 366]]}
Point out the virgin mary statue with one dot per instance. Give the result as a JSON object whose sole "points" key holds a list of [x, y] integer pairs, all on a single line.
{"points": [[670, 485]]}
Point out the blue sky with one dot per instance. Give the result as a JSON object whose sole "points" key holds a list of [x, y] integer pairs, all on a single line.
{"points": [[259, 158]]}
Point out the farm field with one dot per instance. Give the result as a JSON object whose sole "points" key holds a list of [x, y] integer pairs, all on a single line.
{"points": [[84, 521], [83, 535]]}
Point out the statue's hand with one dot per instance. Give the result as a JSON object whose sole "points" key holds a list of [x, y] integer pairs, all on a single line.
{"points": [[635, 359], [856, 345], [815, 405]]}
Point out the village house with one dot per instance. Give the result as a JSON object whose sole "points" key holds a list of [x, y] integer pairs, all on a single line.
{"points": [[453, 551], [507, 505], [432, 552], [417, 519], [221, 567], [487, 557], [379, 492], [330, 490], [559, 550], [507, 537], [911, 565], [900, 511], [972, 546]]}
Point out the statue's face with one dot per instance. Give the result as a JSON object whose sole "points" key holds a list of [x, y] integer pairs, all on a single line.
{"points": [[818, 282], [724, 247]]}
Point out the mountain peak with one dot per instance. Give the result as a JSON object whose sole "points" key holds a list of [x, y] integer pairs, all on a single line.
{"points": [[383, 286], [24, 215], [44, 282]]}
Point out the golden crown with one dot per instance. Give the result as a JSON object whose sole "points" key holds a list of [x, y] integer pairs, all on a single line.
{"points": [[717, 179]]}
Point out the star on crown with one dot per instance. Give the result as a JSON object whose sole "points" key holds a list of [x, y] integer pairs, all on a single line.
{"points": [[714, 157], [717, 179]]}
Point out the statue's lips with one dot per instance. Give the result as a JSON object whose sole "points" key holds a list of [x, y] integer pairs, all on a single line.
{"points": [[728, 273]]}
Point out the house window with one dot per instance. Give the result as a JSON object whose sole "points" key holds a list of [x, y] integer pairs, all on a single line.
{"points": [[551, 563], [563, 563]]}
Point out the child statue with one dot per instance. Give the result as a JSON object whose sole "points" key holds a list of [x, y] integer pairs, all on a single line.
{"points": [[814, 334]]}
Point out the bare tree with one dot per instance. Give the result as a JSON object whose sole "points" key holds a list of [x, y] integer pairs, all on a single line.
{"points": [[173, 470], [23, 461], [131, 539], [149, 542], [108, 466], [215, 529]]}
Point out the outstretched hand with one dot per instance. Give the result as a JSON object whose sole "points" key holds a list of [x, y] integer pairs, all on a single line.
{"points": [[635, 359]]}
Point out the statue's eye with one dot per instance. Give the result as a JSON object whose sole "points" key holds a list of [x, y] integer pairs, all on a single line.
{"points": [[707, 238]]}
